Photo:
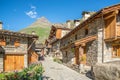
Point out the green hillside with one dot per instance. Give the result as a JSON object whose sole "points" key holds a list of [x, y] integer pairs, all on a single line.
{"points": [[41, 28], [41, 32]]}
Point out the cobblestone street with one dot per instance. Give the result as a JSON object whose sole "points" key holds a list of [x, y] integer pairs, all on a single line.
{"points": [[55, 71]]}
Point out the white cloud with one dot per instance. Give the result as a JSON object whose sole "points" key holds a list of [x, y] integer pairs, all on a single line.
{"points": [[33, 7], [32, 13]]}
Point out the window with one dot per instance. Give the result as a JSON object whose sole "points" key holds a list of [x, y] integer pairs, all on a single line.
{"points": [[76, 37], [66, 54], [116, 51], [9, 41], [118, 18], [86, 31]]}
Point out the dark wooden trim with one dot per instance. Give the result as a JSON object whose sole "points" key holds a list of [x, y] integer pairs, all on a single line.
{"points": [[10, 33], [15, 53]]}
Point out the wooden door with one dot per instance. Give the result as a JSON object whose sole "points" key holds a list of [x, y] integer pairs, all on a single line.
{"points": [[13, 62], [83, 56], [8, 63], [118, 51], [77, 55], [19, 62], [32, 57]]}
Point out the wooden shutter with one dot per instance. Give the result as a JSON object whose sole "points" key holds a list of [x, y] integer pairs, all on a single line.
{"points": [[110, 27]]}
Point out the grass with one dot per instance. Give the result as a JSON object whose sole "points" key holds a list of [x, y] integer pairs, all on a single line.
{"points": [[42, 32]]}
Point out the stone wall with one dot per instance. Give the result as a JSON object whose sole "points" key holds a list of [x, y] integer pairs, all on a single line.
{"points": [[70, 55], [95, 48], [21, 49], [100, 34], [107, 52], [91, 50], [107, 71], [93, 29]]}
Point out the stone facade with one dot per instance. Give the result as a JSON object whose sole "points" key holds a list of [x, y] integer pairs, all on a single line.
{"points": [[68, 55], [92, 30], [11, 49], [22, 49], [92, 53]]}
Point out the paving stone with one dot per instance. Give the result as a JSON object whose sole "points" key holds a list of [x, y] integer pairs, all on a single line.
{"points": [[56, 71]]}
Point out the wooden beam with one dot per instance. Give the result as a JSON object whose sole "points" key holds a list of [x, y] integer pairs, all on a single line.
{"points": [[111, 14], [83, 41]]}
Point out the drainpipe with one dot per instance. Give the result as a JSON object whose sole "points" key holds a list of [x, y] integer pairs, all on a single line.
{"points": [[102, 38]]}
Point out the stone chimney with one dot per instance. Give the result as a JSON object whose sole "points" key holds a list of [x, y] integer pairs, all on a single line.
{"points": [[76, 23], [86, 15], [33, 33], [1, 25], [68, 23]]}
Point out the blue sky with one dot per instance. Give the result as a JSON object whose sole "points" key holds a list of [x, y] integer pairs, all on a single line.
{"points": [[18, 14]]}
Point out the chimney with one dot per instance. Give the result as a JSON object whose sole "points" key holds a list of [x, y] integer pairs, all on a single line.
{"points": [[68, 23], [1, 25], [76, 23], [33, 33], [85, 15]]}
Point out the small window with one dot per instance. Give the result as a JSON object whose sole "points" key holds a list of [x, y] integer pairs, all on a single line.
{"points": [[76, 37], [66, 54], [118, 18], [9, 41], [86, 31], [116, 51]]}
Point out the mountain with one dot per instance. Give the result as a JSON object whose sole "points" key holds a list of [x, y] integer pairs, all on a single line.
{"points": [[41, 27]]}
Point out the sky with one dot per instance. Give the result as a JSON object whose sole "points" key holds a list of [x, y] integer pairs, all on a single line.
{"points": [[18, 14]]}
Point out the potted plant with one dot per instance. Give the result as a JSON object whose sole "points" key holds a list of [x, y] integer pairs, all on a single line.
{"points": [[83, 59]]}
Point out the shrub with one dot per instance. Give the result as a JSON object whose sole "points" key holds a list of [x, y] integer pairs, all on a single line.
{"points": [[33, 72], [83, 58], [57, 60]]}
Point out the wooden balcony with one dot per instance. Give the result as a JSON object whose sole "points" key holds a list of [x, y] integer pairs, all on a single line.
{"points": [[112, 26]]}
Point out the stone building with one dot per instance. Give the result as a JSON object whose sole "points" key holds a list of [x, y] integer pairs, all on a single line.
{"points": [[56, 33], [17, 50], [95, 39]]}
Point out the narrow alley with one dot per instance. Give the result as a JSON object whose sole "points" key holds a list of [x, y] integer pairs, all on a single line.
{"points": [[56, 71]]}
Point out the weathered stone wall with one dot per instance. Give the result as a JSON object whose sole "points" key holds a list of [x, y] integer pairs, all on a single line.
{"points": [[21, 49], [100, 33], [68, 58], [108, 71], [91, 50], [107, 52]]}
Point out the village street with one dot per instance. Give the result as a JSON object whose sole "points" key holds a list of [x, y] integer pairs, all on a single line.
{"points": [[56, 71]]}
